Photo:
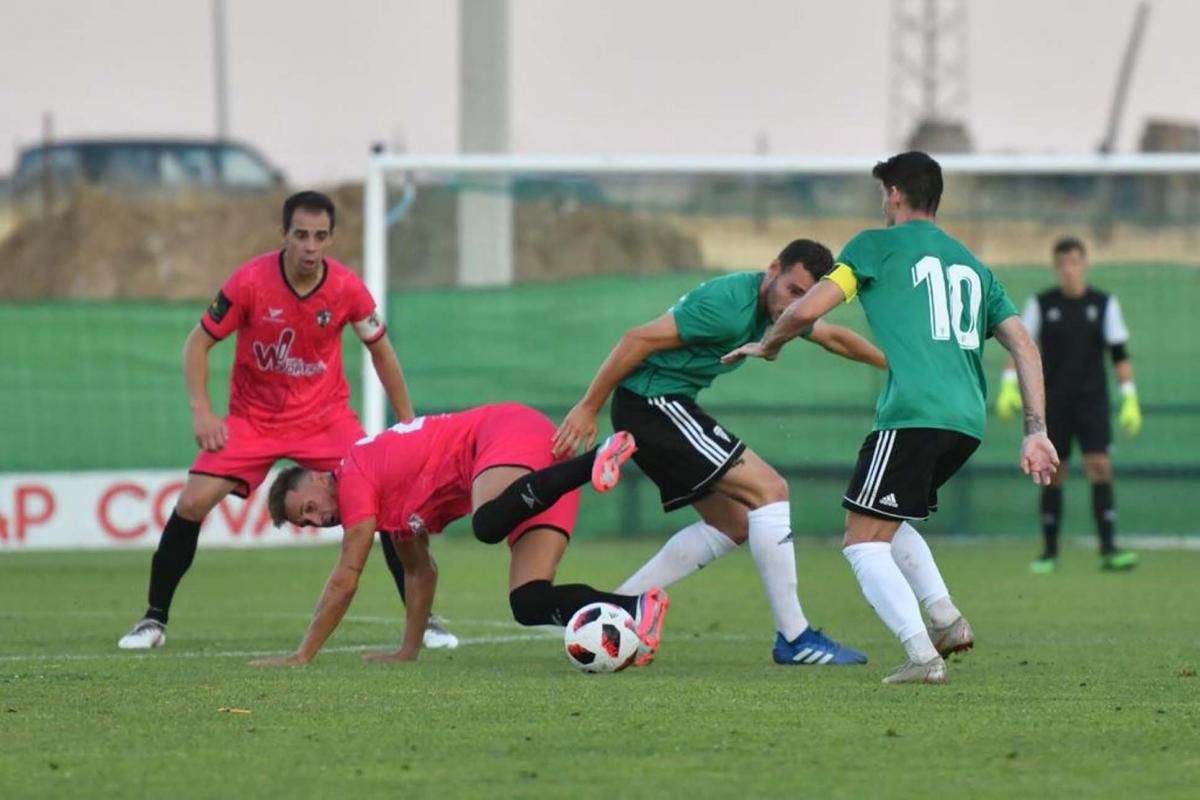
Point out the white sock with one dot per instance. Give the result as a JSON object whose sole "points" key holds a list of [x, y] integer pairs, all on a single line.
{"points": [[692, 549], [889, 594], [912, 555], [775, 557]]}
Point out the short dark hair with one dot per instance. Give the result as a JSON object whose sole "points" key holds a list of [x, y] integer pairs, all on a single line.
{"points": [[284, 482], [1069, 244], [814, 256], [917, 175], [309, 201]]}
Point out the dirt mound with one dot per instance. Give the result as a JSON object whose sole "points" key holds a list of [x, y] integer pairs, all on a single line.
{"points": [[102, 245], [98, 244]]}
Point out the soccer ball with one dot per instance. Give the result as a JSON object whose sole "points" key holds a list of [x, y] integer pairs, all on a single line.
{"points": [[601, 638]]}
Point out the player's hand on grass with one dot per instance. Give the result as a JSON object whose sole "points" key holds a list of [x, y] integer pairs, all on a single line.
{"points": [[752, 350], [291, 660], [1131, 412], [403, 654], [211, 431], [1008, 400], [1039, 459], [579, 427]]}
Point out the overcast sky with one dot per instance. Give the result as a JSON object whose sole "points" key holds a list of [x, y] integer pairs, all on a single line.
{"points": [[314, 81]]}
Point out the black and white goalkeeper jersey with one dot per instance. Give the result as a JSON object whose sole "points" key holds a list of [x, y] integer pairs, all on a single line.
{"points": [[1074, 333]]}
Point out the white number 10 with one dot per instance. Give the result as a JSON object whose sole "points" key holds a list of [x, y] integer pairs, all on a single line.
{"points": [[947, 317]]}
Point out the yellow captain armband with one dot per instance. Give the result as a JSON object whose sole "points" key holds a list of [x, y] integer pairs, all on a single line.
{"points": [[843, 276]]}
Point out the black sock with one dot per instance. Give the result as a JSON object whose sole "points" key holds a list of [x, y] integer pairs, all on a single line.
{"points": [[1052, 499], [529, 496], [543, 603], [1105, 511], [395, 566], [174, 555]]}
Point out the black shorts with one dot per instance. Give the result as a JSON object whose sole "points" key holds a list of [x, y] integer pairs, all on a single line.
{"points": [[900, 471], [682, 449], [1086, 421]]}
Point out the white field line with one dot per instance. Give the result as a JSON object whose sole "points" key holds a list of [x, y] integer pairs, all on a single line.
{"points": [[530, 634], [296, 615], [293, 615], [466, 641]]}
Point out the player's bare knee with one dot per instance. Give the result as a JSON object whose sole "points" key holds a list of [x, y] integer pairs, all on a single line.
{"points": [[773, 489], [861, 529], [194, 506], [1098, 468], [1060, 476], [737, 532]]}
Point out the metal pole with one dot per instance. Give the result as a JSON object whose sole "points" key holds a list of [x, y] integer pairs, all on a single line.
{"points": [[929, 70], [221, 73], [485, 215], [1124, 74], [374, 416], [47, 174]]}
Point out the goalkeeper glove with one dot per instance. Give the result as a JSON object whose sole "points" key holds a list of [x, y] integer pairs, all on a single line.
{"points": [[1008, 401], [1131, 411]]}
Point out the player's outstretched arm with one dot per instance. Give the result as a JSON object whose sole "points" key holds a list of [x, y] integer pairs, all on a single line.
{"points": [[846, 343], [797, 318], [1039, 460], [420, 585], [579, 426], [387, 367], [210, 430], [336, 597]]}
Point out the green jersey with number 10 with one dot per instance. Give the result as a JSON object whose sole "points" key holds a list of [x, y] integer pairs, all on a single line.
{"points": [[931, 304]]}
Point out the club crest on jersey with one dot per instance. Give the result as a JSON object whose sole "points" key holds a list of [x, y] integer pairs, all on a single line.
{"points": [[1054, 315], [1092, 313], [324, 317]]}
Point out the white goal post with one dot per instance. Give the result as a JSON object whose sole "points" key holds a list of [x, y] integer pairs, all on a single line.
{"points": [[384, 168]]}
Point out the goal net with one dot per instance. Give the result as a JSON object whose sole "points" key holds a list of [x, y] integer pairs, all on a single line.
{"points": [[510, 278]]}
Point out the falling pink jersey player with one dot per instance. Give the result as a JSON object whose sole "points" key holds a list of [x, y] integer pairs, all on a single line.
{"points": [[416, 477], [494, 462]]}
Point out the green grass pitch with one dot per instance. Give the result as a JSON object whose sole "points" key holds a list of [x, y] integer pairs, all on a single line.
{"points": [[1082, 684]]}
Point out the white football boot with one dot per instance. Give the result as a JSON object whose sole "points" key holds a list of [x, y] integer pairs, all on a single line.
{"points": [[932, 671], [146, 635], [957, 637], [437, 637]]}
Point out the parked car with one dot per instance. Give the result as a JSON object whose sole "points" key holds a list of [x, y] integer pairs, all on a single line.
{"points": [[142, 164]]}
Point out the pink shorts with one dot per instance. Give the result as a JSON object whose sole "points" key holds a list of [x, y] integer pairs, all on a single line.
{"points": [[514, 435], [249, 454]]}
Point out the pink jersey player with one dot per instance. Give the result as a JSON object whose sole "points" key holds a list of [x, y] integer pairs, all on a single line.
{"points": [[287, 374], [416, 477], [288, 380], [494, 462], [288, 395]]}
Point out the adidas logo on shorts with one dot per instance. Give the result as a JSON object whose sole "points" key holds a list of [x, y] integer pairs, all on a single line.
{"points": [[888, 500]]}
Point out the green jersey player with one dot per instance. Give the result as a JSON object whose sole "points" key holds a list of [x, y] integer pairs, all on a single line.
{"points": [[654, 374], [931, 304]]}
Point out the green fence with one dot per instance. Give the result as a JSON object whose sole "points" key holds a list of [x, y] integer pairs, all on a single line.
{"points": [[91, 386]]}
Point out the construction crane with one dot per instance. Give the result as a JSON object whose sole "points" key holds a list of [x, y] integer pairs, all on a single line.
{"points": [[1124, 75]]}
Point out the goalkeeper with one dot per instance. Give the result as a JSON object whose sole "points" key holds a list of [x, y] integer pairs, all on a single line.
{"points": [[1075, 324]]}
